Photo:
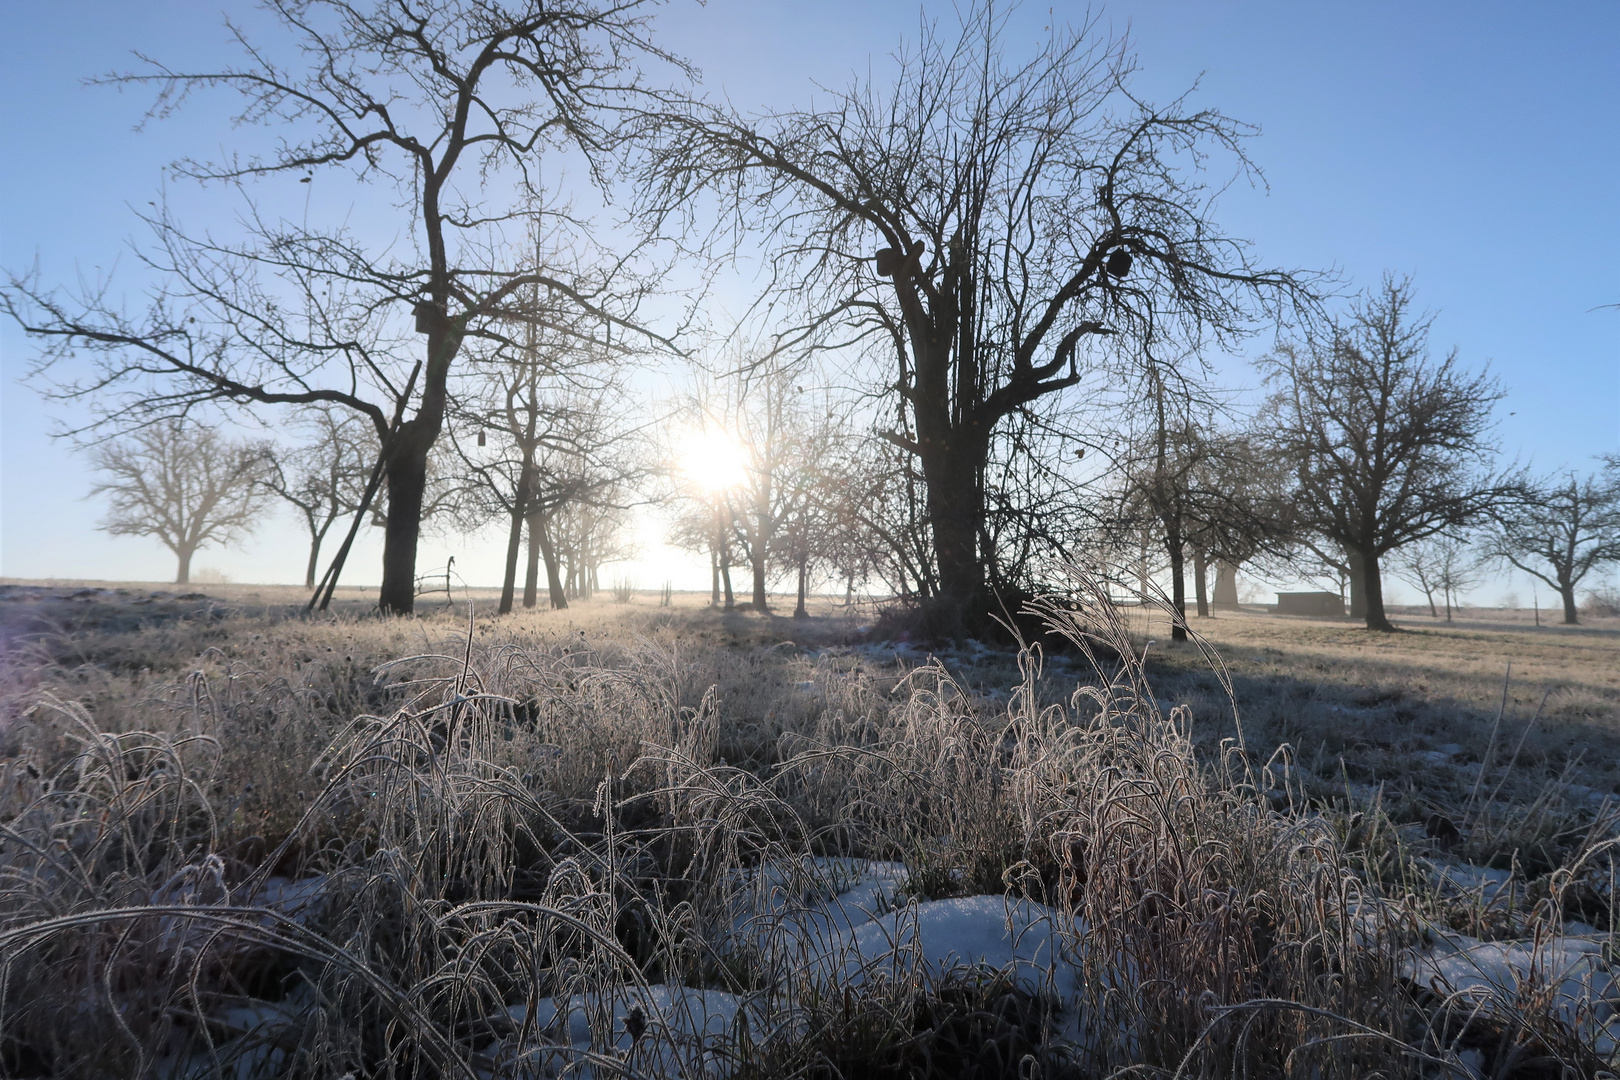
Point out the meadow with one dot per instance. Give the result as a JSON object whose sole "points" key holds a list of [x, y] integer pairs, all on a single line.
{"points": [[634, 840]]}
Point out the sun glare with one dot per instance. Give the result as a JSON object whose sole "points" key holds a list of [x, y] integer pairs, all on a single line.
{"points": [[713, 460]]}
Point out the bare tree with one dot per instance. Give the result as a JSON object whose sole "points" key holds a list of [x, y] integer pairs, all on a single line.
{"points": [[993, 229], [542, 424], [325, 478], [448, 106], [1447, 565], [1389, 446], [1419, 565], [763, 401], [1241, 510], [590, 533], [553, 449], [1209, 494], [184, 484], [873, 505], [823, 480], [1561, 529], [1459, 568]]}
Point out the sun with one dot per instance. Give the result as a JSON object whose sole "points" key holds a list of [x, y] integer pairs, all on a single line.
{"points": [[713, 459]]}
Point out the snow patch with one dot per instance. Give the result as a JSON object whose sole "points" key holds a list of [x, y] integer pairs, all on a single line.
{"points": [[1032, 943], [1506, 976]]}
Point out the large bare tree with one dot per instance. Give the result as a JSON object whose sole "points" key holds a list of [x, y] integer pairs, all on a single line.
{"points": [[1389, 445], [439, 109], [995, 228], [184, 484]]}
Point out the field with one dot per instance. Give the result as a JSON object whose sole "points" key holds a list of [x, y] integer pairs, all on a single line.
{"points": [[626, 840]]}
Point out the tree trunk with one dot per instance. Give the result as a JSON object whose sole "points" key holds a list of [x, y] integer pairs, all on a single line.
{"points": [[1373, 590], [554, 584], [757, 558], [1568, 593], [799, 611], [1178, 582], [951, 456], [514, 547], [725, 575], [1358, 586], [1429, 593], [314, 561], [182, 576], [1200, 580], [714, 575], [514, 537], [956, 510], [531, 567], [1142, 570], [1226, 595], [407, 482]]}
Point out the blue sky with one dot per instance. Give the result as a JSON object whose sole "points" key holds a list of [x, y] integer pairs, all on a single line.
{"points": [[1475, 146]]}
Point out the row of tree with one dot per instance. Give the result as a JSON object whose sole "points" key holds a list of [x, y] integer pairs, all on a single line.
{"points": [[1367, 449], [1365, 445], [1015, 261]]}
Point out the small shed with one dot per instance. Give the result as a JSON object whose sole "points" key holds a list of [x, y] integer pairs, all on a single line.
{"points": [[1310, 603]]}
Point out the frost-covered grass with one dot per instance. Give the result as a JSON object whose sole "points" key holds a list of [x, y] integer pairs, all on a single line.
{"points": [[644, 842]]}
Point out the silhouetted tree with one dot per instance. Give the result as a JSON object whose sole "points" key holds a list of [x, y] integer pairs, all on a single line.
{"points": [[541, 425], [1388, 445], [1241, 510], [1205, 493], [447, 107], [1562, 528], [184, 484], [780, 443], [324, 479], [993, 229]]}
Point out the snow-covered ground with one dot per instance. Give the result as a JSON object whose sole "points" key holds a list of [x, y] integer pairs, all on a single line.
{"points": [[1504, 978], [821, 923]]}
